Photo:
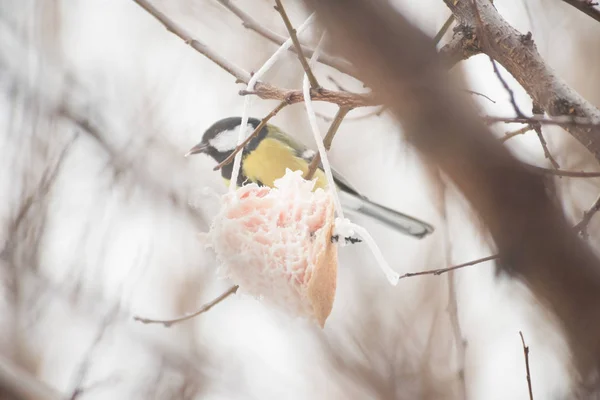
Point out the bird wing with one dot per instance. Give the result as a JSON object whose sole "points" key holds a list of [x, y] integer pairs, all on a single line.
{"points": [[307, 154], [353, 201]]}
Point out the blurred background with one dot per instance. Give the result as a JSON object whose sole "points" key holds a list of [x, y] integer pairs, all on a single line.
{"points": [[101, 213]]}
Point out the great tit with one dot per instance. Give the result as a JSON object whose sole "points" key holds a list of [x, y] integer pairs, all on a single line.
{"points": [[266, 157]]}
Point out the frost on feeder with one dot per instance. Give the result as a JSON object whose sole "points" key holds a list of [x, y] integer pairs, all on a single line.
{"points": [[276, 244]]}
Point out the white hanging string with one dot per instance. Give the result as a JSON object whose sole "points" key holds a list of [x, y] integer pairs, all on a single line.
{"points": [[248, 99], [343, 227], [312, 119]]}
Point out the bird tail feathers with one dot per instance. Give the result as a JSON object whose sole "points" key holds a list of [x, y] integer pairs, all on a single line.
{"points": [[398, 221]]}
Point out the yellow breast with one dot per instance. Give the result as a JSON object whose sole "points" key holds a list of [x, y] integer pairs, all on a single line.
{"points": [[270, 159]]}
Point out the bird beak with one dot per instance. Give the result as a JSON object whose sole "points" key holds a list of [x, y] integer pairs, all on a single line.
{"points": [[197, 149]]}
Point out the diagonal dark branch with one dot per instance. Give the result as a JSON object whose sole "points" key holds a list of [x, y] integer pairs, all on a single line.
{"points": [[586, 6], [510, 92], [261, 125], [440, 34], [562, 121], [333, 128]]}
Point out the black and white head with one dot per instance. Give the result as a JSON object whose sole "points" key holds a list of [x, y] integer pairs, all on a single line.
{"points": [[221, 138]]}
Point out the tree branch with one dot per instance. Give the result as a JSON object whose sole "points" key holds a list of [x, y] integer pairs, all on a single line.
{"points": [[263, 90], [333, 128], [537, 244], [261, 125], [252, 24], [441, 271], [463, 45], [481, 95], [510, 135], [288, 25], [537, 127], [169, 322], [353, 100], [582, 226], [438, 36], [510, 92], [586, 6], [562, 121], [560, 172], [518, 54], [528, 376], [197, 45]]}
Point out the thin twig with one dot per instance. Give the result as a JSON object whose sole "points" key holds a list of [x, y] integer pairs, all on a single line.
{"points": [[333, 128], [510, 135], [547, 154], [441, 271], [562, 121], [168, 322], [582, 226], [438, 36], [519, 56], [288, 25], [480, 94], [262, 123], [463, 45], [452, 309], [337, 84], [560, 172], [354, 100], [374, 113], [511, 94], [200, 47], [84, 367], [537, 127], [526, 353], [586, 6], [262, 89], [252, 24]]}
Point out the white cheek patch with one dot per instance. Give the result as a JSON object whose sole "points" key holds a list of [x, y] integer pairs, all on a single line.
{"points": [[227, 140]]}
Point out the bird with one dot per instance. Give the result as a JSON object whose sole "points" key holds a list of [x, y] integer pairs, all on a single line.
{"points": [[271, 151]]}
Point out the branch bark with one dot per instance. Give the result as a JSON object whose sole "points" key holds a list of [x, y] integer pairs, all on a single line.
{"points": [[536, 243], [518, 54]]}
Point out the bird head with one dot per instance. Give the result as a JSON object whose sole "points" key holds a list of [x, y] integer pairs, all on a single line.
{"points": [[221, 138]]}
